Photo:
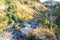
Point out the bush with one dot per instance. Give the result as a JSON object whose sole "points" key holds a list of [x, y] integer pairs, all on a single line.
{"points": [[58, 20]]}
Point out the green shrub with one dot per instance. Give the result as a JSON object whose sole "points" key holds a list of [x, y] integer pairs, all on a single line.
{"points": [[58, 21]]}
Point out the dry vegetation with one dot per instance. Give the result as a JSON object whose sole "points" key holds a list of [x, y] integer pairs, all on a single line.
{"points": [[42, 33], [28, 10]]}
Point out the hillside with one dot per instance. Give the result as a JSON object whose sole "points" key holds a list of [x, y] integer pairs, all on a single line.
{"points": [[29, 20], [18, 10]]}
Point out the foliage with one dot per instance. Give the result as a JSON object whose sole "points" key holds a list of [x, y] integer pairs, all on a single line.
{"points": [[46, 22], [57, 12], [58, 20], [24, 16]]}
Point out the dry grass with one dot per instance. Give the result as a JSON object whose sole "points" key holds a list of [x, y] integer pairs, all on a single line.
{"points": [[2, 27], [43, 32]]}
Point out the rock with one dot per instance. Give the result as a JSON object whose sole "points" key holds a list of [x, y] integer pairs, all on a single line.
{"points": [[27, 25], [25, 30], [33, 23]]}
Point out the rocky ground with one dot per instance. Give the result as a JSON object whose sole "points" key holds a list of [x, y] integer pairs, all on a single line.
{"points": [[42, 33]]}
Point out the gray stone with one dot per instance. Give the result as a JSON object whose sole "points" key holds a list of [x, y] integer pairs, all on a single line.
{"points": [[27, 25]]}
